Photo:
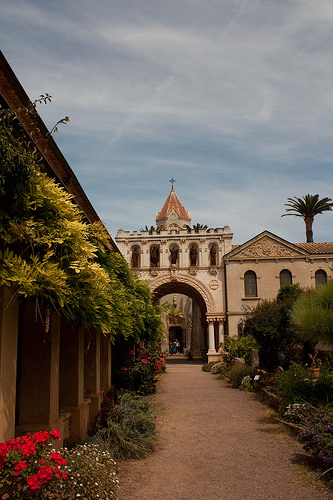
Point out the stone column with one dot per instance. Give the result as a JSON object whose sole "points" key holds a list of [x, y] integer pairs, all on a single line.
{"points": [[38, 406], [183, 253], [144, 254], [72, 379], [221, 331], [9, 314], [163, 253], [92, 372], [203, 256], [211, 337]]}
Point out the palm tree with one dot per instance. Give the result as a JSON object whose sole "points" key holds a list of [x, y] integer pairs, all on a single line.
{"points": [[307, 207], [196, 227]]}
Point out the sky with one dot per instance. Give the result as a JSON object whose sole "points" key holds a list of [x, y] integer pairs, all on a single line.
{"points": [[231, 98]]}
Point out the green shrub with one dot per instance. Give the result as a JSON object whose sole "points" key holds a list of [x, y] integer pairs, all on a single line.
{"points": [[244, 347], [237, 373], [219, 368], [130, 430], [324, 386], [239, 347], [296, 385], [208, 366], [140, 373]]}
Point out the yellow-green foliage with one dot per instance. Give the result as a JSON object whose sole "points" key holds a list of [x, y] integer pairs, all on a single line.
{"points": [[50, 254]]}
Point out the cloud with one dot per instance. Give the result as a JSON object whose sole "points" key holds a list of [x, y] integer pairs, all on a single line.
{"points": [[232, 98]]}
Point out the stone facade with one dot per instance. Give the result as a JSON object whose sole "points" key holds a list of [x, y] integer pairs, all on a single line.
{"points": [[272, 260], [226, 282], [178, 259]]}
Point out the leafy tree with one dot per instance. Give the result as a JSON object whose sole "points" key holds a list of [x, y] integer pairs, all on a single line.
{"points": [[312, 315], [269, 324], [308, 207]]}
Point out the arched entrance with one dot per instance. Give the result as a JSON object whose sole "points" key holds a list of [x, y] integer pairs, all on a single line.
{"points": [[192, 331], [209, 325]]}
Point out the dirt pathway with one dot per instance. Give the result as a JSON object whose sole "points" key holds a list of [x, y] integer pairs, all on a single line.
{"points": [[216, 443]]}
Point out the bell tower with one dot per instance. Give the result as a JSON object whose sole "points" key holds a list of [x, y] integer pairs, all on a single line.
{"points": [[173, 215]]}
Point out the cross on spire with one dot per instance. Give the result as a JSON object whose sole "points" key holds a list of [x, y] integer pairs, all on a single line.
{"points": [[172, 181]]}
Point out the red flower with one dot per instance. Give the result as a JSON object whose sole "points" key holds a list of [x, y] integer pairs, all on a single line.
{"points": [[14, 444], [41, 437], [64, 475], [44, 474], [33, 484], [4, 448], [57, 458], [28, 449], [42, 461], [19, 467], [132, 353], [144, 361], [124, 368], [55, 435]]}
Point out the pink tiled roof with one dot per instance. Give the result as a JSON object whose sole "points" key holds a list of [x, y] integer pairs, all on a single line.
{"points": [[172, 202]]}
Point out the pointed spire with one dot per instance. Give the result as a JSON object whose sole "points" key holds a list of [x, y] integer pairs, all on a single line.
{"points": [[173, 215]]}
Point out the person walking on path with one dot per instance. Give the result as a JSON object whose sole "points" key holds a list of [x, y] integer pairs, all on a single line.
{"points": [[214, 444]]}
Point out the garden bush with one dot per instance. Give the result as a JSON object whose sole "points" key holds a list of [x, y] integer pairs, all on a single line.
{"points": [[208, 366], [140, 372], [219, 368], [130, 428], [296, 385], [237, 373], [324, 386]]}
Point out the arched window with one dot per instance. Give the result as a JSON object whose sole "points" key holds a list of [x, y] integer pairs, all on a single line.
{"points": [[321, 277], [250, 283], [285, 278]]}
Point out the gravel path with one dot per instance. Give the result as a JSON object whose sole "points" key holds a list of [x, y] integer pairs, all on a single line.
{"points": [[216, 443]]}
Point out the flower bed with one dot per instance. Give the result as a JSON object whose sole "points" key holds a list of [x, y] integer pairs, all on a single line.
{"points": [[31, 468]]}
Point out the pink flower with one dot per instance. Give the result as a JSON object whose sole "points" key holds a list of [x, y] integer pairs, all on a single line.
{"points": [[132, 353], [124, 368], [144, 361]]}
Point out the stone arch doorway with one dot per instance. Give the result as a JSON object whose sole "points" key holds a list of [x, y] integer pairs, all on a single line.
{"points": [[192, 330], [176, 334]]}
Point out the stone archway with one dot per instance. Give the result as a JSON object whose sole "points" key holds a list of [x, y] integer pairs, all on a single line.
{"points": [[202, 305]]}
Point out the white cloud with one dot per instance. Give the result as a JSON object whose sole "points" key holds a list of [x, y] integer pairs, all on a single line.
{"points": [[232, 98]]}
